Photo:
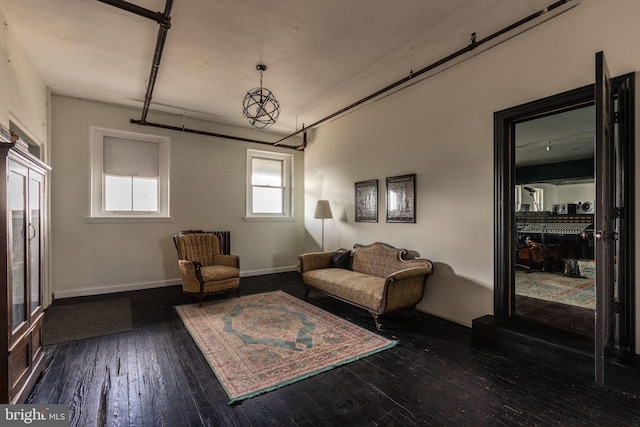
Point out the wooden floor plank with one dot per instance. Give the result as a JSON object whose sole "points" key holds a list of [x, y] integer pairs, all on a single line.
{"points": [[159, 407], [130, 368], [155, 375], [210, 399], [90, 383], [49, 386]]}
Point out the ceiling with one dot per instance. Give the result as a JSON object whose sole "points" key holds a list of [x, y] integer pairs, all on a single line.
{"points": [[560, 137], [321, 55]]}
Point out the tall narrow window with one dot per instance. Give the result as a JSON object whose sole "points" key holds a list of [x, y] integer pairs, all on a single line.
{"points": [[268, 184], [129, 175], [518, 198], [538, 199]]}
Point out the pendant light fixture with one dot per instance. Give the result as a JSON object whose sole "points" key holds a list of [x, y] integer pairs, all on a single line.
{"points": [[260, 106]]}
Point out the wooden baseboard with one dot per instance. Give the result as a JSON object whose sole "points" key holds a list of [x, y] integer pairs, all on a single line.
{"points": [[158, 284]]}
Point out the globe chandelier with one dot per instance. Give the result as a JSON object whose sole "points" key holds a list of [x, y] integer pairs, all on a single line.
{"points": [[260, 106]]}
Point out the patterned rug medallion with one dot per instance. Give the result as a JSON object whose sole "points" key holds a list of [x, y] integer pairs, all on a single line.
{"points": [[575, 291], [257, 343]]}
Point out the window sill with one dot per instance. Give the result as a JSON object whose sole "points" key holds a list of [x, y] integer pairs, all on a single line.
{"points": [[268, 219], [125, 219]]}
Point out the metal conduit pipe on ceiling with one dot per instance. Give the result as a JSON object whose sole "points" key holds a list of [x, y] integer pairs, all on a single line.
{"points": [[412, 75], [164, 21], [219, 135], [134, 8]]}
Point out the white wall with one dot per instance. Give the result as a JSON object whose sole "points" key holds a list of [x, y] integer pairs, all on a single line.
{"points": [[572, 193], [442, 130], [208, 177], [24, 99], [4, 72], [561, 193]]}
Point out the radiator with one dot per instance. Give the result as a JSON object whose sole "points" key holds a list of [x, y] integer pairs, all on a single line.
{"points": [[225, 241]]}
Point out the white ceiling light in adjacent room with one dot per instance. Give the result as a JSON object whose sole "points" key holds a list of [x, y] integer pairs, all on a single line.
{"points": [[260, 106]]}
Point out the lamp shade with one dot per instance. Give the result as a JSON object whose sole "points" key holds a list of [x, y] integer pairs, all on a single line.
{"points": [[323, 210]]}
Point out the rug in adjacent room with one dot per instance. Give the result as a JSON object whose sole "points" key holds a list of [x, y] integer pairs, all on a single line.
{"points": [[257, 343], [577, 291], [70, 322]]}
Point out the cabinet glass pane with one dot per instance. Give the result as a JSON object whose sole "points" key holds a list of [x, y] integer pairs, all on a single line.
{"points": [[34, 242], [17, 186]]}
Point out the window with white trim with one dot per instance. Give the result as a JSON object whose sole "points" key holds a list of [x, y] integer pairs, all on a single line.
{"points": [[534, 199], [269, 189], [538, 199], [129, 175]]}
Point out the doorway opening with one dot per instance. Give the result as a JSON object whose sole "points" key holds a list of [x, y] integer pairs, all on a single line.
{"points": [[555, 194], [546, 193]]}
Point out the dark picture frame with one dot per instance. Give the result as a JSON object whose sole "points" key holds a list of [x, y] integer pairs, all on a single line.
{"points": [[366, 203], [401, 198]]}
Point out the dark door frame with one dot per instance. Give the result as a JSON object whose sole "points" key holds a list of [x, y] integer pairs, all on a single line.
{"points": [[505, 226]]}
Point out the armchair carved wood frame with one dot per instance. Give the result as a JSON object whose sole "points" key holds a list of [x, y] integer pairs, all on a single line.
{"points": [[205, 269]]}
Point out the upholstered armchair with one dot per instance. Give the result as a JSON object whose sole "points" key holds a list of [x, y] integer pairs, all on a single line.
{"points": [[205, 269]]}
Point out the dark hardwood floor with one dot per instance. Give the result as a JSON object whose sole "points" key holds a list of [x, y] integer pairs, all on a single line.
{"points": [[566, 317], [155, 375]]}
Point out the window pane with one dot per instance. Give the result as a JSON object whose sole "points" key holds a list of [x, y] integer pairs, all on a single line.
{"points": [[266, 172], [145, 194], [267, 200], [117, 193]]}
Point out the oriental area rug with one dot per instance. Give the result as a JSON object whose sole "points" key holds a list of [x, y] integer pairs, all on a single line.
{"points": [[258, 343], [577, 291]]}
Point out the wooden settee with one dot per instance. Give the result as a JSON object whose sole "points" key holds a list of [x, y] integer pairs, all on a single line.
{"points": [[377, 278]]}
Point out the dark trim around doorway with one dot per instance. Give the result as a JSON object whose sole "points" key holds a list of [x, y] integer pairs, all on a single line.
{"points": [[506, 332]]}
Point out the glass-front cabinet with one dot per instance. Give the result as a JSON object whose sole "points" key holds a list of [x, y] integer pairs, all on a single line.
{"points": [[21, 226]]}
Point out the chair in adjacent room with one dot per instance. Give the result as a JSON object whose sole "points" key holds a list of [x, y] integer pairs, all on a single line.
{"points": [[205, 269]]}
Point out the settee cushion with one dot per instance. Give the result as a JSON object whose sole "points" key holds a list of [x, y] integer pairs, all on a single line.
{"points": [[341, 259], [359, 288]]}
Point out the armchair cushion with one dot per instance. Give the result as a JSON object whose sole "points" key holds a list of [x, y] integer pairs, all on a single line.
{"points": [[211, 273]]}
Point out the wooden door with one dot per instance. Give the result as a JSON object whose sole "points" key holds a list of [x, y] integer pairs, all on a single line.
{"points": [[605, 218]]}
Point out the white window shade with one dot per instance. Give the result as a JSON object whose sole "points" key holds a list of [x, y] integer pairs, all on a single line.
{"points": [[267, 172], [130, 157]]}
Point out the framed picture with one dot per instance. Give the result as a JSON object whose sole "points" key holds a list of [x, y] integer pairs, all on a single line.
{"points": [[401, 198], [367, 201]]}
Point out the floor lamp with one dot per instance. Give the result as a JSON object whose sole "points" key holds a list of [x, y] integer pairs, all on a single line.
{"points": [[323, 211]]}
